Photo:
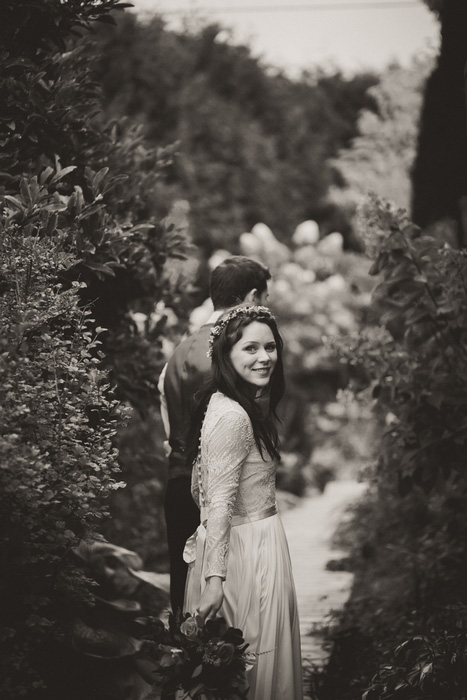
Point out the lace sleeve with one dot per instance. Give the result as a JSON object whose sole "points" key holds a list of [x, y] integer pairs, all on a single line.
{"points": [[195, 483], [230, 443]]}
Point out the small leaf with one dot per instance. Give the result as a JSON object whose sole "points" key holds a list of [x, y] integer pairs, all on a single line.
{"points": [[141, 227], [45, 174], [62, 173], [97, 179], [426, 670], [113, 182], [100, 268], [14, 201]]}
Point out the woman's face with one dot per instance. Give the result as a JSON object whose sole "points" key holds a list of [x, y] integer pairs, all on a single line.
{"points": [[254, 356]]}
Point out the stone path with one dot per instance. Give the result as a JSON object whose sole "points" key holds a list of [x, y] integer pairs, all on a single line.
{"points": [[310, 526]]}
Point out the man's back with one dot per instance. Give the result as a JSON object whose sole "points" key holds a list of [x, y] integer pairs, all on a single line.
{"points": [[185, 373], [187, 370]]}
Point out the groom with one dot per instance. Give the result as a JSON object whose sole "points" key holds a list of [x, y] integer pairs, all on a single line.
{"points": [[236, 280]]}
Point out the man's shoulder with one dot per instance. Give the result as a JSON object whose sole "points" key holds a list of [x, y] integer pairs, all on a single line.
{"points": [[192, 352], [199, 337]]}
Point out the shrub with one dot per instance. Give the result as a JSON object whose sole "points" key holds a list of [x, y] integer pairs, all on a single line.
{"points": [[58, 422], [417, 364], [410, 539], [66, 251], [429, 666]]}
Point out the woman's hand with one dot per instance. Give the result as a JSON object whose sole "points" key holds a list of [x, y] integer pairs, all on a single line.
{"points": [[211, 598]]}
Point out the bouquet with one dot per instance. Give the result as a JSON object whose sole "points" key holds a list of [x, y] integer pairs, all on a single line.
{"points": [[194, 658]]}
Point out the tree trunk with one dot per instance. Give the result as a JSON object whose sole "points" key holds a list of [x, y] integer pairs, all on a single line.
{"points": [[439, 175]]}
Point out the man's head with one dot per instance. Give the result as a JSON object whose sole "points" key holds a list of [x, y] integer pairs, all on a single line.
{"points": [[239, 279]]}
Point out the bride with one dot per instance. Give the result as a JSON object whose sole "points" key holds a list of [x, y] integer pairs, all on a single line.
{"points": [[239, 564]]}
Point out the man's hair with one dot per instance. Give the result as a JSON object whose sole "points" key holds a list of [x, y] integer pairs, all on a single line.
{"points": [[232, 280]]}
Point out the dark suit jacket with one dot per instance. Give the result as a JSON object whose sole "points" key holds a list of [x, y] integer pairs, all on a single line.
{"points": [[187, 370]]}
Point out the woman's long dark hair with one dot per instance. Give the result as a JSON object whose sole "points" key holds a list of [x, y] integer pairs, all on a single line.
{"points": [[225, 379]]}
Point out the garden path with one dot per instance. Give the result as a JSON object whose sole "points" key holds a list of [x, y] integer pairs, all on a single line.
{"points": [[310, 523], [310, 526]]}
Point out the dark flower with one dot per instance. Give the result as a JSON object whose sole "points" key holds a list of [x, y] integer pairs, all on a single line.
{"points": [[225, 652], [189, 628]]}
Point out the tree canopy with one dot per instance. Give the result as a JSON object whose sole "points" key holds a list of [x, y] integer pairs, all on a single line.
{"points": [[252, 145]]}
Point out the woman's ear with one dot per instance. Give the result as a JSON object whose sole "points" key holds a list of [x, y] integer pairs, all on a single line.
{"points": [[252, 297]]}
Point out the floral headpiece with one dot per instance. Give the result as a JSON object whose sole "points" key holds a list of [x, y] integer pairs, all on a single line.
{"points": [[216, 330]]}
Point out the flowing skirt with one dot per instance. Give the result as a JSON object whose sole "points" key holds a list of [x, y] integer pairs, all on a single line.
{"points": [[259, 599]]}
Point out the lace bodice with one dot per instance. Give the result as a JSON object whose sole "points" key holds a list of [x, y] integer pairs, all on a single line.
{"points": [[230, 477]]}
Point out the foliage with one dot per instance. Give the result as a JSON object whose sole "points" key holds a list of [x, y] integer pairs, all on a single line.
{"points": [[103, 655], [137, 512], [409, 542], [127, 271], [76, 267], [58, 421], [428, 666], [252, 146], [111, 181], [100, 180], [53, 22], [418, 373], [46, 92]]}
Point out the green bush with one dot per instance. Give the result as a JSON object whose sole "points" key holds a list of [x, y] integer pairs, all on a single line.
{"points": [[47, 94], [409, 539], [58, 423], [76, 269], [418, 364], [429, 666]]}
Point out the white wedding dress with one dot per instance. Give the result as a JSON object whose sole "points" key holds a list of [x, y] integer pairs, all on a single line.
{"points": [[241, 539]]}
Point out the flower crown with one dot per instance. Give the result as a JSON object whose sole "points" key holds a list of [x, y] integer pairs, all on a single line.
{"points": [[216, 330]]}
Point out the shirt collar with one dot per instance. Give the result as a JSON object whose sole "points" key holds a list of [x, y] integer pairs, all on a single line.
{"points": [[214, 317]]}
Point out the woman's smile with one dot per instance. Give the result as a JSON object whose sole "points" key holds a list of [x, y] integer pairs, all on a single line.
{"points": [[262, 370], [254, 356]]}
